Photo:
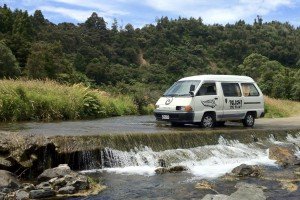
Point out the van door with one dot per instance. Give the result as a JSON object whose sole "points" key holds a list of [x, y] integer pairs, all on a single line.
{"points": [[206, 99], [233, 101]]}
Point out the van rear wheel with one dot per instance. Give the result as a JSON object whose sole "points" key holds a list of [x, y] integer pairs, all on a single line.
{"points": [[208, 120], [249, 120]]}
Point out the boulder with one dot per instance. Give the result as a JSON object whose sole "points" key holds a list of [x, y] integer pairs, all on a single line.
{"points": [[80, 182], [244, 170], [215, 197], [178, 168], [8, 180], [41, 193], [21, 195], [56, 172], [60, 182], [284, 155], [67, 190]]}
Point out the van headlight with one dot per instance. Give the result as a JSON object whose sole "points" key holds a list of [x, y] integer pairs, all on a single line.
{"points": [[184, 108]]}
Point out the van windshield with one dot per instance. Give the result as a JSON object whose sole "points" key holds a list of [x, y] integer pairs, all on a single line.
{"points": [[182, 88]]}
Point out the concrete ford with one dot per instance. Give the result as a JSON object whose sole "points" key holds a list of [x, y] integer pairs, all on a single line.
{"points": [[211, 100]]}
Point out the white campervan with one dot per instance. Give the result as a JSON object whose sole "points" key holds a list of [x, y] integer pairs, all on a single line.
{"points": [[210, 100]]}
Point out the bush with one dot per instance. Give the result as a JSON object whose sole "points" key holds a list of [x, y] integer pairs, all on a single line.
{"points": [[47, 100]]}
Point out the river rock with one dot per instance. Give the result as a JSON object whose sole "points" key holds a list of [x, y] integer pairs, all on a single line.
{"points": [[21, 195], [28, 187], [43, 185], [161, 170], [2, 196], [162, 162], [297, 171], [244, 170], [8, 180], [80, 182], [56, 172], [5, 164], [41, 193], [284, 155], [178, 168], [67, 190]]}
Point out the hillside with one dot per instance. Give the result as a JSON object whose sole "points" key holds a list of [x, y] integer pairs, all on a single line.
{"points": [[145, 61]]}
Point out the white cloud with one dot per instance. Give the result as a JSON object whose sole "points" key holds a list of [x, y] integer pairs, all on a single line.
{"points": [[219, 11], [108, 8], [78, 15]]}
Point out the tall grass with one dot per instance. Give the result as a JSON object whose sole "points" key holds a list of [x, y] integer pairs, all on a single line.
{"points": [[22, 100], [281, 108]]}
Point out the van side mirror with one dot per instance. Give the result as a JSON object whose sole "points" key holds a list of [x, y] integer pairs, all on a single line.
{"points": [[192, 93], [192, 88]]}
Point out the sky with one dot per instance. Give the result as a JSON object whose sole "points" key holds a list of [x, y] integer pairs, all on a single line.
{"points": [[142, 12]]}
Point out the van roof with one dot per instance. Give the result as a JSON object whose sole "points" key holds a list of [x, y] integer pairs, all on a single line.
{"points": [[219, 78]]}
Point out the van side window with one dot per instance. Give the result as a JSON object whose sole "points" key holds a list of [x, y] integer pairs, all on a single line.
{"points": [[207, 89], [231, 89], [249, 89]]}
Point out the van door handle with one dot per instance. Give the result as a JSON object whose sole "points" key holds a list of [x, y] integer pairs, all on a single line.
{"points": [[216, 98]]}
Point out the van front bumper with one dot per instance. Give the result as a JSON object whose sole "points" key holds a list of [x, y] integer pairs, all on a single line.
{"points": [[175, 116]]}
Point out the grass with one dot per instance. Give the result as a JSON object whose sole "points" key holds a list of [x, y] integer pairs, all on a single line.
{"points": [[23, 100], [281, 108]]}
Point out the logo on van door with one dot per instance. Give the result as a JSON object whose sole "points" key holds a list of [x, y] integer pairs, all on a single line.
{"points": [[169, 100], [209, 103]]}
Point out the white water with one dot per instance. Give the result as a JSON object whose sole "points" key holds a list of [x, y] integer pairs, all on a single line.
{"points": [[209, 161]]}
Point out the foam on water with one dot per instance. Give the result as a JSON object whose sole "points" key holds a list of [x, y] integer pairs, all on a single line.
{"points": [[210, 161]]}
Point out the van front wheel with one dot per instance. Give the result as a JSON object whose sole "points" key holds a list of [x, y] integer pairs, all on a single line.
{"points": [[249, 120], [208, 120]]}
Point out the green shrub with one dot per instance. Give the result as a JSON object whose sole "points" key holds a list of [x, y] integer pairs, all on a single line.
{"points": [[22, 100]]}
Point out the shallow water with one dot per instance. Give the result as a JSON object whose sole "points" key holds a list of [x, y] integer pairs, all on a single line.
{"points": [[131, 124], [133, 176]]}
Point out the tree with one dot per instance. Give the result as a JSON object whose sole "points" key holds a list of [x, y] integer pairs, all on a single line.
{"points": [[95, 22], [97, 69], [8, 63], [47, 61]]}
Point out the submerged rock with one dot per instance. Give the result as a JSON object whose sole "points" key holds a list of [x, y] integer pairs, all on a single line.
{"points": [[204, 184], [161, 170], [284, 155], [56, 172], [244, 170], [41, 193], [8, 180], [244, 192]]}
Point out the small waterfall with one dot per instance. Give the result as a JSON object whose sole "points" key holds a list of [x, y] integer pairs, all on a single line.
{"points": [[207, 161]]}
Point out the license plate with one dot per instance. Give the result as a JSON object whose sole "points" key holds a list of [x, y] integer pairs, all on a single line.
{"points": [[165, 116]]}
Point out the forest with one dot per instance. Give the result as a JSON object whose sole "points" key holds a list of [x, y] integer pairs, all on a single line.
{"points": [[143, 62]]}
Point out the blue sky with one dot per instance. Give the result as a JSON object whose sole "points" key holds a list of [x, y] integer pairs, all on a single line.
{"points": [[141, 12]]}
